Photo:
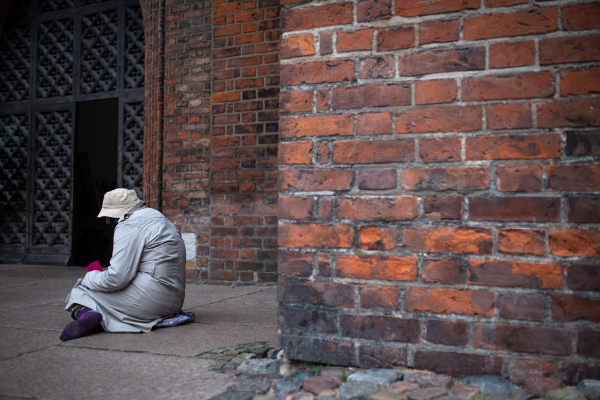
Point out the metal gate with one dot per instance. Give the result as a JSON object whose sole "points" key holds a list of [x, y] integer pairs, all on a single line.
{"points": [[53, 54]]}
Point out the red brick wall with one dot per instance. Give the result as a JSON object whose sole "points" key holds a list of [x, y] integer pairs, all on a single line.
{"points": [[211, 131], [439, 185]]}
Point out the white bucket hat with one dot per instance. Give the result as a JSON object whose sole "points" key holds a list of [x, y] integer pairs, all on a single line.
{"points": [[117, 202]]}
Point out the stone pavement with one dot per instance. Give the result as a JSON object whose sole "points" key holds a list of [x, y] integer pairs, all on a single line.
{"points": [[161, 364]]}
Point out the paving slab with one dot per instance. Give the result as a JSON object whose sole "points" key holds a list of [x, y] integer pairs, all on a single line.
{"points": [[17, 341], [63, 372], [34, 363]]}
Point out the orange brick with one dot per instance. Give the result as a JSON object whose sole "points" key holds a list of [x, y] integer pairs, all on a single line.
{"points": [[316, 16], [439, 239], [519, 23], [315, 235], [522, 241], [574, 82], [501, 87], [449, 301], [439, 31], [387, 268], [321, 125], [579, 17], [416, 8], [512, 54], [379, 208], [310, 179], [437, 91], [519, 178], [299, 208], [354, 40], [296, 100], [373, 151], [377, 237], [574, 242], [295, 152], [297, 46]]}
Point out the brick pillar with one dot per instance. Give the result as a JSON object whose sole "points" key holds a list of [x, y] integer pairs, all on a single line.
{"points": [[245, 101], [439, 184]]}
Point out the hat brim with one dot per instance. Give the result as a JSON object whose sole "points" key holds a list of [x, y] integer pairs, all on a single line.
{"points": [[113, 212]]}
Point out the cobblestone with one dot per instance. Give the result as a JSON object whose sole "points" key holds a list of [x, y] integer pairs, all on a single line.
{"points": [[315, 382]]}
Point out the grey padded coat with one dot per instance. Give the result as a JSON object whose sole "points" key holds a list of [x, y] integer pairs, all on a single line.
{"points": [[145, 281]]}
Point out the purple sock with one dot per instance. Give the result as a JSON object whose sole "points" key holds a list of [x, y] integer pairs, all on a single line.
{"points": [[87, 321]]}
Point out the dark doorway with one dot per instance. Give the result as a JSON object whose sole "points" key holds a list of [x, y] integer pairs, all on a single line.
{"points": [[96, 172]]}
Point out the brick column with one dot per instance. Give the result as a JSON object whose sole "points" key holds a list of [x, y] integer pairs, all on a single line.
{"points": [[439, 185]]}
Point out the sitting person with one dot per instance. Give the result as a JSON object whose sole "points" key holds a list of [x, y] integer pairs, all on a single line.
{"points": [[145, 282]]}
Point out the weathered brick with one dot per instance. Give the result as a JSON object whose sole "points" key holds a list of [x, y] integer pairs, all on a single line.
{"points": [[457, 364], [377, 237], [439, 31], [503, 3], [534, 209], [508, 116], [295, 153], [574, 242], [574, 372], [450, 333], [443, 208], [508, 273], [427, 7], [434, 239], [440, 179], [574, 177], [519, 23], [316, 16], [378, 95], [442, 119], [295, 208], [354, 40], [377, 179], [377, 356], [326, 42], [587, 343], [574, 82], [583, 277], [397, 38], [388, 328], [501, 87], [569, 49], [522, 241], [583, 144], [435, 91], [292, 126], [382, 67], [583, 209], [577, 17], [512, 54], [574, 308], [373, 10], [373, 151], [385, 297], [521, 178], [380, 208], [338, 70], [522, 306], [442, 271], [449, 301], [298, 46], [525, 339], [294, 263], [387, 268], [440, 149], [520, 368], [315, 235], [441, 60], [374, 123], [318, 350], [321, 293]]}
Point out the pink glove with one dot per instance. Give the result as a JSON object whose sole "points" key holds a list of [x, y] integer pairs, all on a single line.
{"points": [[95, 266]]}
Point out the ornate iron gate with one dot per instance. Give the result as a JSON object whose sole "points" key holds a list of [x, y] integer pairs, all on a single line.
{"points": [[53, 54]]}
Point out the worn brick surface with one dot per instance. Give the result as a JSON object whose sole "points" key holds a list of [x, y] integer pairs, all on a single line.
{"points": [[449, 151]]}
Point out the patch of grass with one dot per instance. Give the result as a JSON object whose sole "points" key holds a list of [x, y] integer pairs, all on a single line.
{"points": [[317, 368], [344, 377]]}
